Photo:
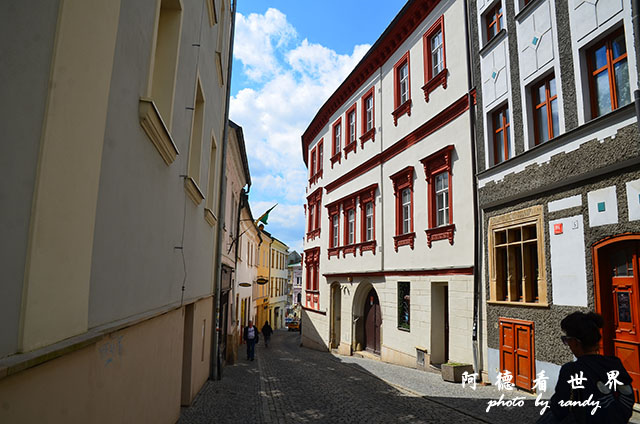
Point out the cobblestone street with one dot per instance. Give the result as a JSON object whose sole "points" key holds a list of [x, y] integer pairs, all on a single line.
{"points": [[292, 384]]}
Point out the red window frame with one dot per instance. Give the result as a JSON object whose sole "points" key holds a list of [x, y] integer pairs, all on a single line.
{"points": [[312, 274], [367, 196], [431, 81], [401, 180], [539, 104], [314, 201], [609, 67], [333, 212], [493, 17], [401, 109], [315, 162], [320, 156], [312, 164], [350, 145], [368, 134], [336, 154], [435, 164], [349, 204], [499, 125]]}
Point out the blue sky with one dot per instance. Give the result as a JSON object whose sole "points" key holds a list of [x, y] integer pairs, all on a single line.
{"points": [[289, 56]]}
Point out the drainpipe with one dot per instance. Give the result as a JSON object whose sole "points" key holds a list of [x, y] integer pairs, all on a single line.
{"points": [[477, 222], [636, 28], [214, 373]]}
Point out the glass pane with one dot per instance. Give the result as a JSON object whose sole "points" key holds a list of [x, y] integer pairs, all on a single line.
{"points": [[541, 93], [621, 262], [554, 118], [552, 87], [603, 97], [440, 202], [403, 305], [622, 83], [499, 145], [406, 196], [600, 57], [440, 218], [624, 307], [506, 115], [543, 129], [618, 47]]}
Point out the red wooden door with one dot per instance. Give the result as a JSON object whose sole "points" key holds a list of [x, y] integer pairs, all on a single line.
{"points": [[373, 321], [516, 351], [620, 293]]}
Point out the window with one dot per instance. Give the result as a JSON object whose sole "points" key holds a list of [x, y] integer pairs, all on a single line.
{"points": [[516, 257], [501, 137], [320, 156], [350, 135], [545, 110], [369, 222], [404, 305], [313, 207], [312, 277], [192, 182], [335, 231], [315, 163], [368, 131], [337, 142], [402, 91], [403, 189], [312, 163], [608, 74], [351, 226], [442, 199], [494, 20], [435, 68], [211, 185], [406, 210]]}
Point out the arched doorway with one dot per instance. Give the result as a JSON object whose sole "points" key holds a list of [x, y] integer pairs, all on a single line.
{"points": [[336, 306], [617, 294], [372, 322]]}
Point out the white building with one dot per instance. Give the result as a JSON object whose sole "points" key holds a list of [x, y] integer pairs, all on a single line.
{"points": [[388, 253]]}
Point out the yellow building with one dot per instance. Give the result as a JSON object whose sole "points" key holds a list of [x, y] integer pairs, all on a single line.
{"points": [[261, 288], [114, 124], [278, 279]]}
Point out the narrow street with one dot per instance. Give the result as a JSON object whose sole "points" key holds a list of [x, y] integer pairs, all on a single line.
{"points": [[292, 384]]}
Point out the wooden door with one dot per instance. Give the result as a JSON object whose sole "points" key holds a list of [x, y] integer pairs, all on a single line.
{"points": [[373, 321], [619, 298], [516, 351]]}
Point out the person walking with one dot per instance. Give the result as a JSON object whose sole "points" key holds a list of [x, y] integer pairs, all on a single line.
{"points": [[267, 331], [591, 380], [251, 337]]}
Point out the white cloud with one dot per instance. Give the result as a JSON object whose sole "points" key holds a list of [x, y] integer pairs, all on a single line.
{"points": [[289, 81]]}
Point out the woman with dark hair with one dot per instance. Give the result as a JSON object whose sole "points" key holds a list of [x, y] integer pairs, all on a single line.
{"points": [[593, 388]]}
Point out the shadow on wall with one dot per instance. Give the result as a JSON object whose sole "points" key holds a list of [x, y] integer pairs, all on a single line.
{"points": [[310, 336]]}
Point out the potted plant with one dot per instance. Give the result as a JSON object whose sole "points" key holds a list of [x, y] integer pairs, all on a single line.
{"points": [[452, 371]]}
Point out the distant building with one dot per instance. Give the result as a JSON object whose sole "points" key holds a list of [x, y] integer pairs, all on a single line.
{"points": [[278, 283]]}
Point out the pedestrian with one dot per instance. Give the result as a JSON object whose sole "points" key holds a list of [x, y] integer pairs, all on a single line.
{"points": [[267, 331], [251, 337], [593, 388]]}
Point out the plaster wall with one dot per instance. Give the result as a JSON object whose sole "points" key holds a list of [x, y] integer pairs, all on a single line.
{"points": [[132, 375], [136, 266], [28, 31]]}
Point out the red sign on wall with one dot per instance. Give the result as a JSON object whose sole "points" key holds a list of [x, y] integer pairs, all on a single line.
{"points": [[557, 228]]}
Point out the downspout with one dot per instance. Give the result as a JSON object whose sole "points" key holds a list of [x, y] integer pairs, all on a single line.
{"points": [[477, 260], [214, 373], [635, 19], [235, 260]]}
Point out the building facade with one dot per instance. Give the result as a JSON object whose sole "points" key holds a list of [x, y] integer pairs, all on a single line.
{"points": [[261, 288], [237, 177], [388, 253], [278, 283], [558, 178], [116, 114]]}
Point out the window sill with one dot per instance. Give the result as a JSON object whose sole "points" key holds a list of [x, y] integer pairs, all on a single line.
{"points": [[314, 178], [194, 192], [350, 248], [351, 147], [334, 251], [311, 235], [406, 330], [336, 158], [156, 130], [444, 232], [368, 246], [493, 42], [401, 110], [369, 135], [209, 216], [404, 240], [434, 82], [507, 303]]}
